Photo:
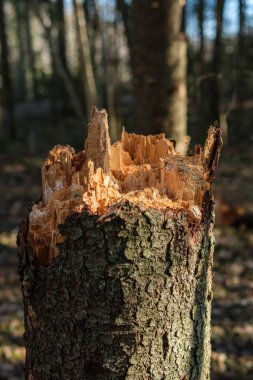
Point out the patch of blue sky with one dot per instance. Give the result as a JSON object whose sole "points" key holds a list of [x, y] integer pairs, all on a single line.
{"points": [[231, 16], [67, 3]]}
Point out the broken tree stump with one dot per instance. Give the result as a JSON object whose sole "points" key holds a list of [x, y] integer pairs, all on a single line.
{"points": [[116, 260]]}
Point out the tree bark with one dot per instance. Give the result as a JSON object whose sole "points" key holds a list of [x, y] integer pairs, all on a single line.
{"points": [[6, 76], [159, 69], [128, 295]]}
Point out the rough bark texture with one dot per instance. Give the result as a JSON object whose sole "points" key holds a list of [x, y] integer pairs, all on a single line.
{"points": [[128, 297], [159, 69]]}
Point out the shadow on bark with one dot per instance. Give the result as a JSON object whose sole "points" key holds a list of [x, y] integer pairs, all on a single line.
{"points": [[201, 354]]}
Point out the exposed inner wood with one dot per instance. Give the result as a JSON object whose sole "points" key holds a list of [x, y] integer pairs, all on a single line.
{"points": [[145, 170]]}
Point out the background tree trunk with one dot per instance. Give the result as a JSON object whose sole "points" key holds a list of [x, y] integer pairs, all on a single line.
{"points": [[6, 76], [22, 85], [30, 50], [203, 78], [124, 9], [200, 69], [159, 69], [201, 19], [110, 49], [217, 58], [91, 95], [240, 59], [61, 32], [54, 52], [217, 105]]}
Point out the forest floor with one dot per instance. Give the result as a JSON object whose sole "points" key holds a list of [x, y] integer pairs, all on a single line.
{"points": [[232, 317]]}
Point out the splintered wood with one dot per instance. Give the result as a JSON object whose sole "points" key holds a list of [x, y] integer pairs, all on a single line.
{"points": [[145, 170]]}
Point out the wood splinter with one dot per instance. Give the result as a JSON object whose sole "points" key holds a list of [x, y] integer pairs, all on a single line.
{"points": [[142, 169], [119, 251]]}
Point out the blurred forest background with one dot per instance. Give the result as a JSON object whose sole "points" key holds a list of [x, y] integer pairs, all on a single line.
{"points": [[155, 65]]}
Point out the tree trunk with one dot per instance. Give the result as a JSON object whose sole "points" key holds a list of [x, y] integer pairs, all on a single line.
{"points": [[22, 85], [201, 19], [216, 90], [1, 116], [200, 68], [30, 51], [202, 77], [159, 69], [111, 60], [123, 7], [87, 68], [126, 294], [54, 52], [240, 57], [6, 76], [61, 32]]}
